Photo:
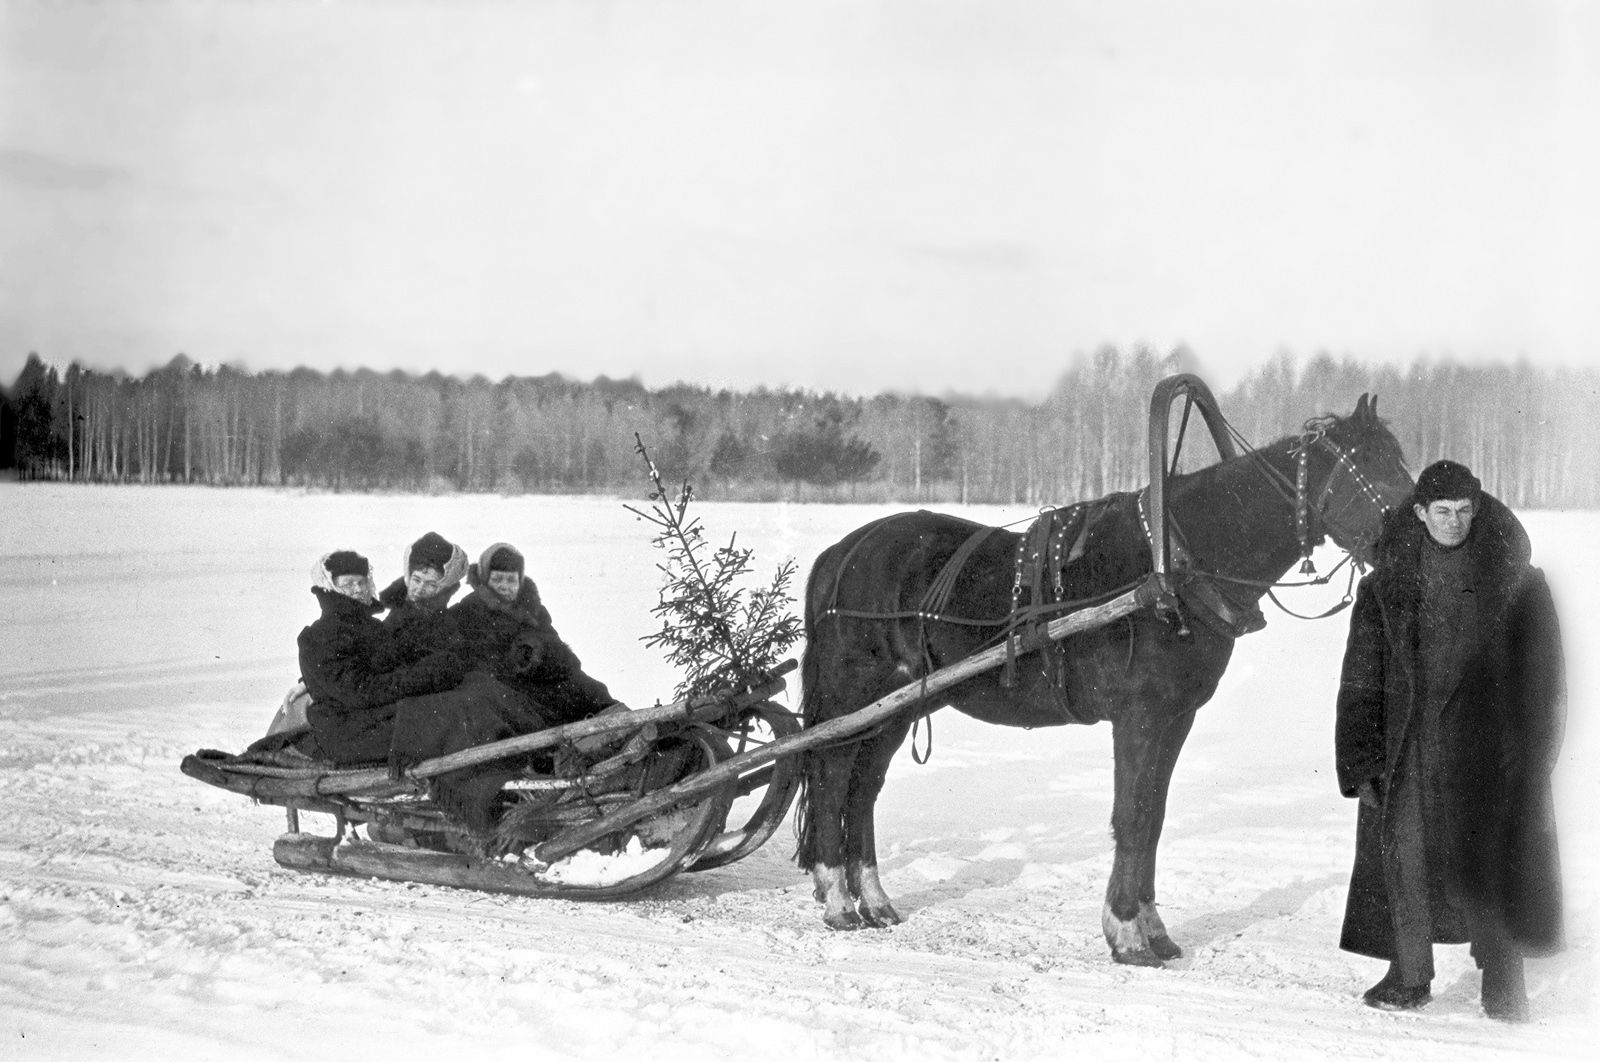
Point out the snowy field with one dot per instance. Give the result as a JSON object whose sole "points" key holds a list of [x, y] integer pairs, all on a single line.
{"points": [[142, 916]]}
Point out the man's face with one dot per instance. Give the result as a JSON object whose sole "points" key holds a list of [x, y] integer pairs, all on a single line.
{"points": [[352, 586], [423, 583], [505, 584], [1448, 522]]}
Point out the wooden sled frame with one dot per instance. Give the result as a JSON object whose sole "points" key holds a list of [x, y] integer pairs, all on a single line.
{"points": [[699, 833]]}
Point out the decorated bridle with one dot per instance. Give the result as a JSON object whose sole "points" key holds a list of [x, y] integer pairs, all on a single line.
{"points": [[1315, 434]]}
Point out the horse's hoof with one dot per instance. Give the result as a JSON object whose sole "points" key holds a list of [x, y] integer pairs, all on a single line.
{"points": [[1165, 948], [1137, 957], [847, 920], [880, 917]]}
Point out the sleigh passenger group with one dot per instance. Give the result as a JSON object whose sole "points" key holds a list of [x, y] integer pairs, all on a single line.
{"points": [[435, 675]]}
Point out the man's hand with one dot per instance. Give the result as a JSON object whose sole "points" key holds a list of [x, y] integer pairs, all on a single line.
{"points": [[1371, 793]]}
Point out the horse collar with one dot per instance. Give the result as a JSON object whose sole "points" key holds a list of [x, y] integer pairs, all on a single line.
{"points": [[1200, 594]]}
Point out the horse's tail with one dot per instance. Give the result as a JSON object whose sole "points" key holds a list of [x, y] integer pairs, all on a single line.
{"points": [[810, 762]]}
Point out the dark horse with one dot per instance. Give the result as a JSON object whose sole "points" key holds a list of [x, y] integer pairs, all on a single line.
{"points": [[914, 592]]}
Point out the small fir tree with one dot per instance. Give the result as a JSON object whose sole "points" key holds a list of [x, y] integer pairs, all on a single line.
{"points": [[720, 633]]}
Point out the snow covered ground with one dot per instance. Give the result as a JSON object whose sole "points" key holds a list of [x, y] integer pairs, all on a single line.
{"points": [[142, 916]]}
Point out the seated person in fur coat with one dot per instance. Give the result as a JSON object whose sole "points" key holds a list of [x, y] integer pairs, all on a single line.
{"points": [[432, 569], [507, 632], [354, 670], [373, 699]]}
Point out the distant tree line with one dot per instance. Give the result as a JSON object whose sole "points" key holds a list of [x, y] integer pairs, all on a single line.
{"points": [[1532, 434]]}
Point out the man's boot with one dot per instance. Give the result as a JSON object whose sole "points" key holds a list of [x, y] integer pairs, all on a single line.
{"points": [[1392, 993], [1505, 992]]}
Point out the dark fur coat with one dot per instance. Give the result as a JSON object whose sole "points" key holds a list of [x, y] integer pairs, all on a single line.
{"points": [[355, 673], [1500, 725], [516, 643], [418, 631], [510, 638]]}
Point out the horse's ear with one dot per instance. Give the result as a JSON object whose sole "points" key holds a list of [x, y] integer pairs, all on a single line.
{"points": [[1363, 410]]}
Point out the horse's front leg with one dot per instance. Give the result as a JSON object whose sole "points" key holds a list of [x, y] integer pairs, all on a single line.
{"points": [[1143, 769], [1157, 783], [860, 837]]}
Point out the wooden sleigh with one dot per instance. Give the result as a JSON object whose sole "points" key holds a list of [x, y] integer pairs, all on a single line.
{"points": [[582, 799]]}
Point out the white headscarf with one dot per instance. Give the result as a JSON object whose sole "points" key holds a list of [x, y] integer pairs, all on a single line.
{"points": [[320, 576], [454, 571]]}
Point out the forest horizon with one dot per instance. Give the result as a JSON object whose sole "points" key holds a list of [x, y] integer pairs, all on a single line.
{"points": [[1531, 433]]}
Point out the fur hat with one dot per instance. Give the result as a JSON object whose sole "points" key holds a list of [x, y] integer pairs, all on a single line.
{"points": [[432, 550], [330, 566], [346, 562], [502, 557], [1446, 480]]}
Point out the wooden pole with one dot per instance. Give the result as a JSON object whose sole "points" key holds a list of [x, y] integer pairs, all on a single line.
{"points": [[836, 730]]}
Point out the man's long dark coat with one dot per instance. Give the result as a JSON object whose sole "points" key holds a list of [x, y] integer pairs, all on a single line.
{"points": [[1502, 727]]}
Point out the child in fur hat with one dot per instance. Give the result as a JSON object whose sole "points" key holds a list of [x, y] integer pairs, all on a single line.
{"points": [[509, 634], [433, 568]]}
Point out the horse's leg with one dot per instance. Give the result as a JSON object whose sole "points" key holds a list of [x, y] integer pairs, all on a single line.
{"points": [[1160, 769], [832, 792], [860, 840], [1136, 743], [827, 788]]}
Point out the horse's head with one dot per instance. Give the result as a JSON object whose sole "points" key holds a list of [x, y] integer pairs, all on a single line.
{"points": [[1363, 474]]}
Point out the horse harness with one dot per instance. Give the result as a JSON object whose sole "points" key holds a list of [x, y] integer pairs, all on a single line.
{"points": [[1053, 540], [1059, 536], [1056, 538], [1197, 590]]}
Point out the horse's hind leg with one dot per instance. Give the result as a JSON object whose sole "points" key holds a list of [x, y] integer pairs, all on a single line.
{"points": [[860, 839], [827, 786], [1146, 751]]}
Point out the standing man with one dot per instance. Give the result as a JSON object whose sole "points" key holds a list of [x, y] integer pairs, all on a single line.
{"points": [[1450, 713]]}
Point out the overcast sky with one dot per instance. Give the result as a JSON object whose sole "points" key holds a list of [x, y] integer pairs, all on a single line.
{"points": [[864, 195]]}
